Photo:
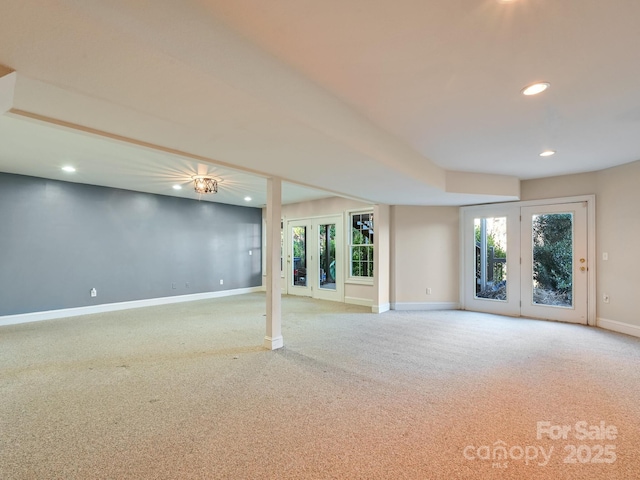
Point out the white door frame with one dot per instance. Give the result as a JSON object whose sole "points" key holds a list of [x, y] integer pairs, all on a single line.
{"points": [[465, 253]]}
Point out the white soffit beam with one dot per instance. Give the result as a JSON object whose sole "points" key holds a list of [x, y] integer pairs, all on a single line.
{"points": [[7, 88], [483, 184]]}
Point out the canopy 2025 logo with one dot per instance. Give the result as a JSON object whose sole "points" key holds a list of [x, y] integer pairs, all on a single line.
{"points": [[499, 454]]}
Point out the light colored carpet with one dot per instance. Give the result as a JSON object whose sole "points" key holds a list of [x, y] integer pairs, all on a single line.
{"points": [[186, 392]]}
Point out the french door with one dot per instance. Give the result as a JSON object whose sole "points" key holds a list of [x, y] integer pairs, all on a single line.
{"points": [[527, 260], [314, 258], [554, 269], [492, 259]]}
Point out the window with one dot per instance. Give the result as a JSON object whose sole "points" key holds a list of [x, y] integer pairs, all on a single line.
{"points": [[361, 245]]}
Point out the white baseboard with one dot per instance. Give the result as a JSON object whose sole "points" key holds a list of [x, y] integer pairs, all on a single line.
{"points": [[365, 302], [425, 306], [619, 327], [112, 307], [385, 307]]}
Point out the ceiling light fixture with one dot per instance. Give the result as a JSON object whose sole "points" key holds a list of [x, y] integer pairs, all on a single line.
{"points": [[536, 88], [69, 169], [247, 199], [177, 187], [205, 184], [548, 153]]}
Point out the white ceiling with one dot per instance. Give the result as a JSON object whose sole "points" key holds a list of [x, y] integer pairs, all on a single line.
{"points": [[380, 101], [37, 149]]}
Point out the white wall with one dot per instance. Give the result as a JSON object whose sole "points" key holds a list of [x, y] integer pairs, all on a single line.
{"points": [[562, 186], [318, 208], [617, 193], [424, 254]]}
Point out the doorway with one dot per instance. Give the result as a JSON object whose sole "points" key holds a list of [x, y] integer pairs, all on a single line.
{"points": [[529, 259], [314, 258]]}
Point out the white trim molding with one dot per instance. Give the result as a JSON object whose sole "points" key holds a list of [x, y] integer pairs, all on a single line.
{"points": [[426, 306], [619, 327], [112, 307], [364, 302], [385, 307]]}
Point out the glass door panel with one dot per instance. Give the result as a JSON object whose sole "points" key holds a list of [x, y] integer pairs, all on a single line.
{"points": [[491, 257], [327, 256], [299, 264], [298, 247], [552, 267]]}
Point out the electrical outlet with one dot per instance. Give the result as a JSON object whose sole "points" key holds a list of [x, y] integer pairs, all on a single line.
{"points": [[221, 282], [605, 298], [186, 285], [173, 285], [428, 291], [94, 292], [605, 256]]}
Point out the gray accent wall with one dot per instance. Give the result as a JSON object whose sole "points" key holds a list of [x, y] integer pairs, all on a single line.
{"points": [[58, 240]]}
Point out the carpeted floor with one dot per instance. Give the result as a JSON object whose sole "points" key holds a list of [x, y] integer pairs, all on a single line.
{"points": [[186, 392]]}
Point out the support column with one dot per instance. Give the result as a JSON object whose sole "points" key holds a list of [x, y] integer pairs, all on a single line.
{"points": [[382, 258], [273, 339]]}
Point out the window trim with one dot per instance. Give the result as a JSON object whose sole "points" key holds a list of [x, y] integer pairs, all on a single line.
{"points": [[351, 279]]}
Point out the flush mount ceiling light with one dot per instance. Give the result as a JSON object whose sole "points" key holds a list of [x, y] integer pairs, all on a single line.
{"points": [[68, 169], [247, 199], [177, 187], [548, 153], [203, 184], [536, 88]]}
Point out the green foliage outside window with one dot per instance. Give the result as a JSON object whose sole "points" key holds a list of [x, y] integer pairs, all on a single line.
{"points": [[499, 269], [362, 235], [553, 252]]}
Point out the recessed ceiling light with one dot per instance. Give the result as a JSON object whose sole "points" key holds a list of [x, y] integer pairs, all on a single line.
{"points": [[177, 187], [548, 153], [247, 199], [68, 168], [536, 88]]}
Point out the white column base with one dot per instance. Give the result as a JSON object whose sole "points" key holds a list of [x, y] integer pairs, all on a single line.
{"points": [[273, 343]]}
